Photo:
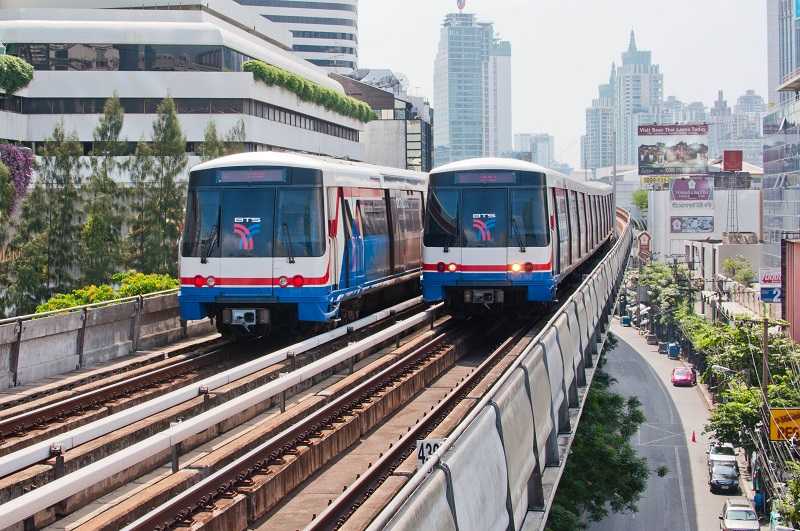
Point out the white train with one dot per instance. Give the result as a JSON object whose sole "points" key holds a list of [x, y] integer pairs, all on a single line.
{"points": [[285, 238], [504, 231]]}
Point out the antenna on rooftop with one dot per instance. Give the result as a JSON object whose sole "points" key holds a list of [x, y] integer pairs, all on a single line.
{"points": [[461, 5]]}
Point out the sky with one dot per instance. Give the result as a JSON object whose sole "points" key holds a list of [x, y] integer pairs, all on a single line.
{"points": [[563, 49]]}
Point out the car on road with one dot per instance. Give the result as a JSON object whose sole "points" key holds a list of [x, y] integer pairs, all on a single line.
{"points": [[721, 453], [683, 376], [724, 477], [738, 515]]}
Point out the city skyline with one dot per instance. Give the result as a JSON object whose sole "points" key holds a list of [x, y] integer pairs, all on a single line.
{"points": [[737, 64]]}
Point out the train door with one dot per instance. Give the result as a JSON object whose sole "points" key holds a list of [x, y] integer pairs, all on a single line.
{"points": [[484, 232], [563, 229], [246, 234], [353, 260]]}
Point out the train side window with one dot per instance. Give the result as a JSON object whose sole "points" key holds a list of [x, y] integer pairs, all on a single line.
{"points": [[573, 226], [373, 217], [563, 228], [582, 224]]}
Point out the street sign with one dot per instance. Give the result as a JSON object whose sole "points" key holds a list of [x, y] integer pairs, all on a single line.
{"points": [[784, 423], [425, 449], [772, 295], [732, 160]]}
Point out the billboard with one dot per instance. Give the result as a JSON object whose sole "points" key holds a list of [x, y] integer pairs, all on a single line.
{"points": [[692, 224], [694, 188], [673, 149], [656, 182], [771, 284]]}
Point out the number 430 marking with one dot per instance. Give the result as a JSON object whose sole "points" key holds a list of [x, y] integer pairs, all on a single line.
{"points": [[426, 448]]}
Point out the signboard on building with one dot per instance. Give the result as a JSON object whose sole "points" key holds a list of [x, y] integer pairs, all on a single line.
{"points": [[645, 249], [655, 182], [771, 282], [692, 188], [784, 423], [673, 149], [732, 160], [692, 224]]}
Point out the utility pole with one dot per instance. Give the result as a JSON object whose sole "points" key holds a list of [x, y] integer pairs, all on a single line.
{"points": [[765, 360]]}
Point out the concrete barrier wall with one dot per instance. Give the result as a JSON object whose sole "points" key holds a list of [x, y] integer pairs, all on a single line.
{"points": [[488, 474], [39, 346]]}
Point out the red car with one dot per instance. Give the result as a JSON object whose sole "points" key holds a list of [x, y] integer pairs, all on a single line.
{"points": [[683, 376]]}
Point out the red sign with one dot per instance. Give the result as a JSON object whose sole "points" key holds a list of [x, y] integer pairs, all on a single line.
{"points": [[732, 161], [644, 246]]}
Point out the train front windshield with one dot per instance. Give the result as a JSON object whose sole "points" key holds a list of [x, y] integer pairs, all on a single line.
{"points": [[486, 209], [253, 213]]}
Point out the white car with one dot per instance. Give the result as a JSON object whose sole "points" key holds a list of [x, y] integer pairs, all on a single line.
{"points": [[738, 515], [721, 453]]}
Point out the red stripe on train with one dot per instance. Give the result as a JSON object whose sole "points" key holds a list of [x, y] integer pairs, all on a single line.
{"points": [[471, 268]]}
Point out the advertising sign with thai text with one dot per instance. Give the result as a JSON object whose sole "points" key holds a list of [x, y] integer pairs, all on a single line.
{"points": [[784, 423], [692, 224], [655, 182], [693, 188], [771, 283], [673, 149]]}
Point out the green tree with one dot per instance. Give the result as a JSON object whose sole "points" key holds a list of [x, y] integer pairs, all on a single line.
{"points": [[140, 171], [603, 470], [212, 147], [101, 253], [165, 204], [235, 139], [60, 174], [640, 199], [739, 269], [15, 74]]}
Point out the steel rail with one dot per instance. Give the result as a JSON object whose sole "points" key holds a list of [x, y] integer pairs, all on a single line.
{"points": [[336, 514], [40, 499], [41, 451]]}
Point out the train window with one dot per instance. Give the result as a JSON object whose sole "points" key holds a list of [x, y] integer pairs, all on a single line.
{"points": [[441, 221], [595, 231], [202, 224], [299, 230], [563, 228], [573, 227], [582, 223], [246, 228], [484, 217], [529, 217], [407, 219], [373, 216]]}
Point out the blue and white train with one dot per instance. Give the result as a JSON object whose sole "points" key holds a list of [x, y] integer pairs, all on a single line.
{"points": [[503, 231], [279, 238]]}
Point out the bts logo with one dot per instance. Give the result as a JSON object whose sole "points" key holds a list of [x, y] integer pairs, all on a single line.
{"points": [[484, 224], [246, 232]]}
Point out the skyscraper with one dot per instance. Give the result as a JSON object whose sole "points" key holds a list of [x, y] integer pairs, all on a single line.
{"points": [[323, 33], [597, 144], [472, 90], [638, 89], [782, 57]]}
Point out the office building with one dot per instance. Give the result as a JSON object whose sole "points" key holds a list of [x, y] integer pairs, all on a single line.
{"points": [[597, 144], [541, 146], [782, 57], [323, 33], [472, 85], [402, 137], [738, 128], [194, 53]]}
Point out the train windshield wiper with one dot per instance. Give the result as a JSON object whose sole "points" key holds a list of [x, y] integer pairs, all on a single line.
{"points": [[207, 245], [289, 243], [515, 230]]}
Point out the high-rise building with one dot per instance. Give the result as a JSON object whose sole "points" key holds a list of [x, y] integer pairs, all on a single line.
{"points": [[782, 57], [638, 95], [499, 110], [323, 33], [737, 128], [541, 146], [597, 144], [472, 90]]}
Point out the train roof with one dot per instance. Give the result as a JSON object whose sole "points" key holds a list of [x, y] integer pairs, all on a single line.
{"points": [[554, 178], [335, 171]]}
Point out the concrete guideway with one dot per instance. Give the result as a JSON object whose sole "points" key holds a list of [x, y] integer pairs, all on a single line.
{"points": [[520, 432], [681, 500]]}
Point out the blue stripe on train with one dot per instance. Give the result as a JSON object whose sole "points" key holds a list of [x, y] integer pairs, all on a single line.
{"points": [[312, 302], [541, 286]]}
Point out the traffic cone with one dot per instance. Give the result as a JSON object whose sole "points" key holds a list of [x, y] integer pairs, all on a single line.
{"points": [[694, 437]]}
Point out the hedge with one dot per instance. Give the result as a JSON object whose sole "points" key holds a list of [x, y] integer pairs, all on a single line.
{"points": [[15, 73], [309, 91], [130, 284]]}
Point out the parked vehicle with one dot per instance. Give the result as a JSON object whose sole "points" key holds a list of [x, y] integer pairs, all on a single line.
{"points": [[738, 515], [673, 351], [724, 477], [721, 453], [683, 376], [662, 347], [626, 320]]}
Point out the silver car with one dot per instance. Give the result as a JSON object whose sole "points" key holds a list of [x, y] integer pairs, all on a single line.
{"points": [[738, 515]]}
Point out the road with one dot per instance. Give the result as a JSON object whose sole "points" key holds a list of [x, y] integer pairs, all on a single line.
{"points": [[680, 501]]}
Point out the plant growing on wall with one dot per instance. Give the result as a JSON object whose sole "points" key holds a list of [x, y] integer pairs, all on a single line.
{"points": [[309, 91], [19, 162], [15, 74]]}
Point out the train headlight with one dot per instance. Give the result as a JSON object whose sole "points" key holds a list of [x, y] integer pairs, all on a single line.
{"points": [[452, 268], [440, 267], [211, 282], [199, 281], [283, 282], [516, 268], [528, 267], [298, 281]]}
